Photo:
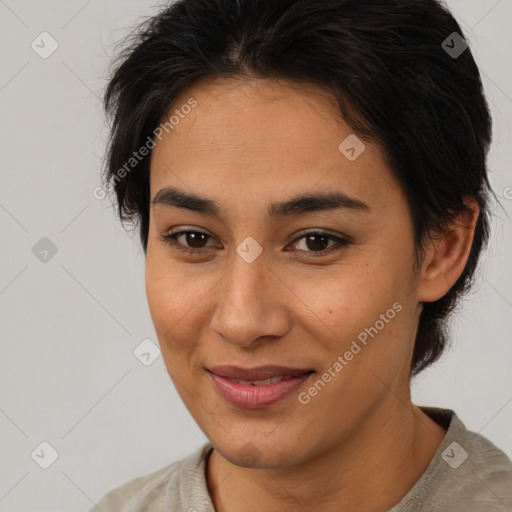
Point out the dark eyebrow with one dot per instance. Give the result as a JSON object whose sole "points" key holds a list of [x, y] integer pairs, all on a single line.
{"points": [[299, 204]]}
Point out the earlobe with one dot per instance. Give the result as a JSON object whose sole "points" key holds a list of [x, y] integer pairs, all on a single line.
{"points": [[447, 254]]}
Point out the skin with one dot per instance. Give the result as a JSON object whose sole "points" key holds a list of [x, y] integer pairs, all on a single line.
{"points": [[360, 444]]}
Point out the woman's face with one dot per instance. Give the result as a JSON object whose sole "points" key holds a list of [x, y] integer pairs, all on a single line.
{"points": [[257, 292]]}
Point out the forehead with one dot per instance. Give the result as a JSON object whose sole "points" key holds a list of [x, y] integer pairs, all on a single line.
{"points": [[262, 137], [249, 115]]}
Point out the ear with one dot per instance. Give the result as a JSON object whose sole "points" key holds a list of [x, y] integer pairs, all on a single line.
{"points": [[446, 254]]}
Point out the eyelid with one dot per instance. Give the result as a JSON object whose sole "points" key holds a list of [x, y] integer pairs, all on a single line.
{"points": [[171, 236], [341, 240], [323, 232]]}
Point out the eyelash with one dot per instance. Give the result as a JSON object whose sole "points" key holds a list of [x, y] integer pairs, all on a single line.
{"points": [[170, 239]]}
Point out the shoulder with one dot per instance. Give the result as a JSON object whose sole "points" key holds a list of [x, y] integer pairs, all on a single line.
{"points": [[484, 473], [468, 472], [148, 492]]}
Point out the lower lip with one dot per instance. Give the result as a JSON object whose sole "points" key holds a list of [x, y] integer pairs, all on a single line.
{"points": [[256, 397]]}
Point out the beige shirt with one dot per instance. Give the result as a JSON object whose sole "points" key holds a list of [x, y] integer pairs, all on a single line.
{"points": [[467, 473]]}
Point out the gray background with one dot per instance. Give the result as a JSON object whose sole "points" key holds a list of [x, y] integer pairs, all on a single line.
{"points": [[69, 325]]}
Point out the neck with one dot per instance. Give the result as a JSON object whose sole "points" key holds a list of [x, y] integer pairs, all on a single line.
{"points": [[372, 470]]}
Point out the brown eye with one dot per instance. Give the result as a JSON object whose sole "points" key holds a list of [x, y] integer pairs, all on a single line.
{"points": [[194, 241], [315, 243], [318, 242]]}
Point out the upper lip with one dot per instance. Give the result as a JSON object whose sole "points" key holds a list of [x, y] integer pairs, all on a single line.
{"points": [[257, 372]]}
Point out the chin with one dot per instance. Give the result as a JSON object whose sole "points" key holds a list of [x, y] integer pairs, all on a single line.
{"points": [[262, 454]]}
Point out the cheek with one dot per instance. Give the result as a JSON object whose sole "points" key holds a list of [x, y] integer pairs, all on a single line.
{"points": [[177, 306], [167, 288], [363, 309], [157, 291], [346, 298], [166, 298]]}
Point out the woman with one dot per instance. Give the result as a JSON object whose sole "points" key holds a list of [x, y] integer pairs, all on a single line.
{"points": [[244, 133]]}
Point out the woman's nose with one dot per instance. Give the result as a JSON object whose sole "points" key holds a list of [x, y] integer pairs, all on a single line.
{"points": [[250, 300]]}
